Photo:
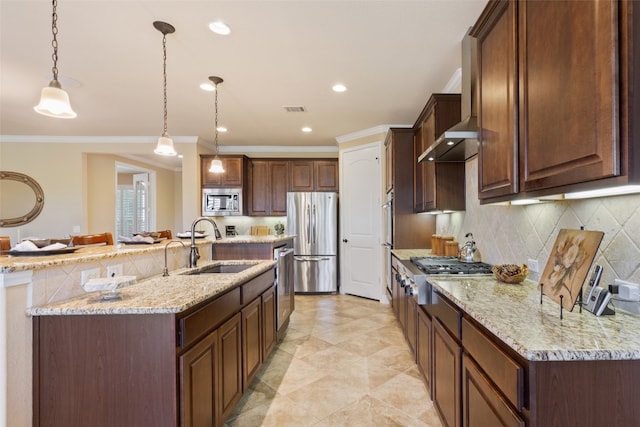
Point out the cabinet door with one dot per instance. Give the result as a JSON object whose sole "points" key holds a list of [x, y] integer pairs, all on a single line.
{"points": [[232, 176], [446, 376], [483, 404], [569, 113], [259, 189], [419, 171], [251, 340], [423, 347], [498, 102], [326, 175], [301, 175], [278, 183], [229, 336], [268, 321], [428, 168], [199, 383]]}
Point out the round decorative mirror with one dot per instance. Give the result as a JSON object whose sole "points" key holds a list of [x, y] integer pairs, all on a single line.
{"points": [[21, 199]]}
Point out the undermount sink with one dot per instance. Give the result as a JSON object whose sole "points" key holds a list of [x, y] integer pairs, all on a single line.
{"points": [[220, 269]]}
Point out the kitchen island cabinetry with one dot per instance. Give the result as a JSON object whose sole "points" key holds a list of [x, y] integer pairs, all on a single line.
{"points": [[314, 175], [423, 346], [151, 367], [556, 102], [268, 180], [234, 175], [438, 186]]}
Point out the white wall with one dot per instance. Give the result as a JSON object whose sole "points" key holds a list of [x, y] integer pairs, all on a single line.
{"points": [[513, 234]]}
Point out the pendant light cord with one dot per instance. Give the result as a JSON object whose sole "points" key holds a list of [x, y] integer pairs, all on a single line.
{"points": [[216, 119], [54, 42], [164, 72]]}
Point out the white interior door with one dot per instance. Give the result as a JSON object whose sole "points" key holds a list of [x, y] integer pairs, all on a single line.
{"points": [[360, 189]]}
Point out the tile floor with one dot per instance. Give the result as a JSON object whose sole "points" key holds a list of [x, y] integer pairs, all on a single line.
{"points": [[343, 362]]}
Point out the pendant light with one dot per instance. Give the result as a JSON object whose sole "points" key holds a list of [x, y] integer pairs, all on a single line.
{"points": [[54, 102], [216, 163], [165, 143]]}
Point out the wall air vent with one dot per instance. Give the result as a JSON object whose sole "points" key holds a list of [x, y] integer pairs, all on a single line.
{"points": [[294, 109]]}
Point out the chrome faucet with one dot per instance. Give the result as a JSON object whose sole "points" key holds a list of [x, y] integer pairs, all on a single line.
{"points": [[194, 254], [165, 272]]}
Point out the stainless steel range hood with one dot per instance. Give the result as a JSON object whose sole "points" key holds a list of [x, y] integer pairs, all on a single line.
{"points": [[460, 142]]}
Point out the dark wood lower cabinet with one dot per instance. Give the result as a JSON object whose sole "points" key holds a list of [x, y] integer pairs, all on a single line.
{"points": [[269, 336], [447, 354], [482, 403], [251, 340], [199, 379], [423, 347], [230, 338]]}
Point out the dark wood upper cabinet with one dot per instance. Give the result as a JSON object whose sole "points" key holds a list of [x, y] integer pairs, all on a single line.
{"points": [[234, 175], [558, 97], [268, 187], [313, 175], [498, 102], [438, 186]]}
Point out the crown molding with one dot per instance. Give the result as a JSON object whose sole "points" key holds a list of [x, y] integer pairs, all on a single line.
{"points": [[367, 132]]}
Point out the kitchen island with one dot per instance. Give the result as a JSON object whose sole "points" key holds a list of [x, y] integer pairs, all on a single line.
{"points": [[176, 350], [28, 282], [492, 354]]}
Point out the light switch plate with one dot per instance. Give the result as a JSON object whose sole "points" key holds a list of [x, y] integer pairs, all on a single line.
{"points": [[533, 265], [114, 270]]}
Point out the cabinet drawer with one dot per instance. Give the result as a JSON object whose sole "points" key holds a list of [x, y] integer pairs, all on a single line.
{"points": [[505, 372], [448, 315], [197, 324], [256, 286]]}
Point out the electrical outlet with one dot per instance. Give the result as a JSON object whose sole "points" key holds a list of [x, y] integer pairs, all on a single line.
{"points": [[114, 270], [533, 265], [92, 273]]}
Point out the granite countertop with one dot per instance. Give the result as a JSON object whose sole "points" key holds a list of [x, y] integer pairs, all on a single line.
{"points": [[255, 239], [406, 254], [12, 264], [514, 314], [171, 294]]}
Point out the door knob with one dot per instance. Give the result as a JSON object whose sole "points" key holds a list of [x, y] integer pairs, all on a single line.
{"points": [[345, 240]]}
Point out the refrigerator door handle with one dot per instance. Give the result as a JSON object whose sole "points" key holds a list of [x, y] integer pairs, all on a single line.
{"points": [[315, 226], [308, 223], [311, 259]]}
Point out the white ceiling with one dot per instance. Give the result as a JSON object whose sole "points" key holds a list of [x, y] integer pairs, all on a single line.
{"points": [[390, 54]]}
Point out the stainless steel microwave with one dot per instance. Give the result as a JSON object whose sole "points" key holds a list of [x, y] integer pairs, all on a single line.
{"points": [[221, 201]]}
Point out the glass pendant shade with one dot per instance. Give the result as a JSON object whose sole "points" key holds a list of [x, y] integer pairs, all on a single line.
{"points": [[54, 102], [165, 146], [216, 166]]}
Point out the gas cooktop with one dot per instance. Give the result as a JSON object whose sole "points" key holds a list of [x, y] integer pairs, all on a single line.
{"points": [[449, 265]]}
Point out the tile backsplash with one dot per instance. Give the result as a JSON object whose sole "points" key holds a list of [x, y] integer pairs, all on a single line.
{"points": [[514, 234]]}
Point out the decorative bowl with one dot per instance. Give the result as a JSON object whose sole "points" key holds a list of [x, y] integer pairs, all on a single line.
{"points": [[510, 273]]}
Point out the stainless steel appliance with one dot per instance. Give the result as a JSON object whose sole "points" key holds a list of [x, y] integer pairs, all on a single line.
{"points": [[413, 274], [387, 215], [221, 201], [313, 219], [283, 256]]}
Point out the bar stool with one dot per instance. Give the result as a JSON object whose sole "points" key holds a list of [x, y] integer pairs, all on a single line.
{"points": [[92, 239]]}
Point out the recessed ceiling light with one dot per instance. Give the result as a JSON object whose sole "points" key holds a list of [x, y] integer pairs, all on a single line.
{"points": [[339, 87], [222, 129], [220, 27], [306, 129]]}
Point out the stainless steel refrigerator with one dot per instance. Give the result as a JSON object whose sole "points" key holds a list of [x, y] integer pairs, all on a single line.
{"points": [[313, 219]]}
